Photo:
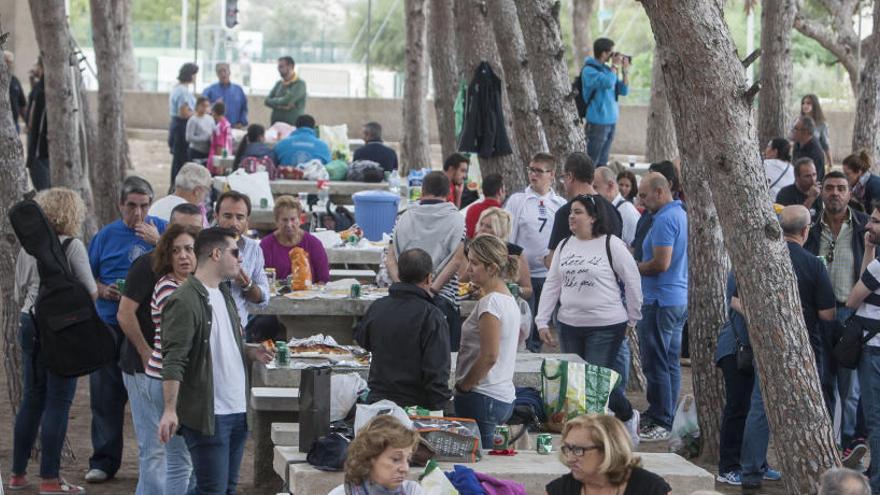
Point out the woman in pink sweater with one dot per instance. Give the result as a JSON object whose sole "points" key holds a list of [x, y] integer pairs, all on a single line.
{"points": [[288, 235], [221, 138]]}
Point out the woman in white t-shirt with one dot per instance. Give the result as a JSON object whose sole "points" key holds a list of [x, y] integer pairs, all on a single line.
{"points": [[484, 372], [596, 282], [777, 166]]}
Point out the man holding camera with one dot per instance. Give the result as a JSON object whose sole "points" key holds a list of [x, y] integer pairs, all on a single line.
{"points": [[602, 85]]}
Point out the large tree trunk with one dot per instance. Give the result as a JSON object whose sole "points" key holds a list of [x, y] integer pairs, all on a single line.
{"points": [[540, 25], [476, 43], [518, 81], [582, 29], [777, 19], [707, 85], [127, 60], [415, 152], [660, 142], [867, 120], [108, 34], [444, 70]]}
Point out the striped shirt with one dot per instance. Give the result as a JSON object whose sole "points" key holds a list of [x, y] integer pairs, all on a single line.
{"points": [[253, 263], [164, 288], [870, 307]]}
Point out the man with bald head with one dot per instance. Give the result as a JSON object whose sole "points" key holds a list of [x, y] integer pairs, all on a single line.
{"points": [[605, 183], [664, 273]]}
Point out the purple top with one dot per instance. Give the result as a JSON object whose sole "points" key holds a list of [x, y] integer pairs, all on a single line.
{"points": [[278, 257]]}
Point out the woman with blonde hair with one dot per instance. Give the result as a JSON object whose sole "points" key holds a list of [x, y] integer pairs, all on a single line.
{"points": [[288, 235], [47, 397], [484, 373], [377, 462], [598, 450], [496, 221]]}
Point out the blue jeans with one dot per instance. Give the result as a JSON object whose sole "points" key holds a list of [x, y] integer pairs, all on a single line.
{"points": [[841, 385], [41, 177], [599, 139], [600, 346], [869, 373], [108, 398], [486, 411], [660, 346], [45, 405], [217, 458], [756, 438], [163, 468], [533, 342]]}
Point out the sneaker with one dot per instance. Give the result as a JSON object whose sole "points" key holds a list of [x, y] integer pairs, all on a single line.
{"points": [[772, 475], [731, 478], [655, 433], [97, 476], [17, 482], [61, 487], [632, 426], [852, 455]]}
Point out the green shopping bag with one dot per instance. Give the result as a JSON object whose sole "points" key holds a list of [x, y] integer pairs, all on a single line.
{"points": [[572, 389]]}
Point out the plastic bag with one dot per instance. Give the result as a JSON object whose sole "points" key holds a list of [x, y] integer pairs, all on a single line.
{"points": [[300, 269], [314, 170], [451, 439], [685, 436], [572, 389], [434, 482], [525, 319], [366, 412], [344, 391], [255, 186], [336, 137], [337, 169]]}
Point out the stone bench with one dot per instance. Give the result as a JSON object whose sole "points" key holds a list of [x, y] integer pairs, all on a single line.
{"points": [[270, 405], [275, 399], [534, 471]]}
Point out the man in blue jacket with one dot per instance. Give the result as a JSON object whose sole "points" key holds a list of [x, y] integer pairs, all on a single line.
{"points": [[302, 144], [601, 87]]}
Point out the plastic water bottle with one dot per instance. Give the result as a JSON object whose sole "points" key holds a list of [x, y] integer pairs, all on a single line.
{"points": [[323, 193], [394, 183]]}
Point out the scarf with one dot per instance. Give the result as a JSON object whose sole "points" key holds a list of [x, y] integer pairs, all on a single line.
{"points": [[293, 78]]}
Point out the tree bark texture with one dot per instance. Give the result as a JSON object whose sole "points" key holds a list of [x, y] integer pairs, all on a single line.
{"points": [[660, 140], [444, 70], [540, 25], [777, 18], [476, 43], [518, 81], [867, 120], [127, 60], [836, 32], [108, 34], [415, 147], [637, 381], [708, 93], [12, 186], [582, 31]]}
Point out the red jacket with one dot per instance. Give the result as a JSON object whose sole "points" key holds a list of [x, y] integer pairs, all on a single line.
{"points": [[473, 214]]}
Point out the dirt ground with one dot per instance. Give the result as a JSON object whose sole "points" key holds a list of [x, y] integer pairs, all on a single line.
{"points": [[151, 161]]}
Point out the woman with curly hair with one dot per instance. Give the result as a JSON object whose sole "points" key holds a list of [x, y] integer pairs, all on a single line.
{"points": [[377, 462]]}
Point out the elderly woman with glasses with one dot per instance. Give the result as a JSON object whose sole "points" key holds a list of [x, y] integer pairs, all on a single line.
{"points": [[599, 453]]}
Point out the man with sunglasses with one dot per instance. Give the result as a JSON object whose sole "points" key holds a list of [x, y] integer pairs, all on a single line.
{"points": [[838, 234]]}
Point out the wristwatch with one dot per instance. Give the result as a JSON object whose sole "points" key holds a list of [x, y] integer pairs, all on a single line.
{"points": [[247, 287]]}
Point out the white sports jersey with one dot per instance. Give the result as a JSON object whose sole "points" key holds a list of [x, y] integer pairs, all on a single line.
{"points": [[531, 224]]}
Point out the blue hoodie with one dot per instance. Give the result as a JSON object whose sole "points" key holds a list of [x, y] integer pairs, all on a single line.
{"points": [[600, 82], [301, 146]]}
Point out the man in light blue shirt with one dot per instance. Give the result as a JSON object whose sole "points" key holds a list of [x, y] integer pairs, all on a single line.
{"points": [[302, 144], [664, 272], [231, 95], [601, 87]]}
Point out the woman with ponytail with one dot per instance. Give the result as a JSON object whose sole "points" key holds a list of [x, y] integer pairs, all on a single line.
{"points": [[865, 185]]}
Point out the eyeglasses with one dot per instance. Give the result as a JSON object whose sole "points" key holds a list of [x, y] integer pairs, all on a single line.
{"points": [[537, 171], [577, 450], [233, 251]]}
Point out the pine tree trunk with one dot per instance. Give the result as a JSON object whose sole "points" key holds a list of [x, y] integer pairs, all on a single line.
{"points": [[867, 120], [707, 85], [444, 70], [12, 186], [415, 147], [582, 30], [660, 141], [777, 19], [476, 43], [518, 81], [127, 60], [108, 35], [637, 381], [547, 53]]}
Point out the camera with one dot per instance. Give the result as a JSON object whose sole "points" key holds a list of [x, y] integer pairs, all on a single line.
{"points": [[628, 58]]}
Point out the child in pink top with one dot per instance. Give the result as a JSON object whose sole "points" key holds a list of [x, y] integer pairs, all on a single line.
{"points": [[221, 138]]}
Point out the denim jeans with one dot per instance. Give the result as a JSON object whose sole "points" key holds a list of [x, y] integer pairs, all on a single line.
{"points": [[756, 438], [41, 177], [599, 139], [660, 348], [737, 399], [108, 398], [600, 346], [533, 342], [217, 458], [163, 468], [45, 404], [869, 372], [486, 411]]}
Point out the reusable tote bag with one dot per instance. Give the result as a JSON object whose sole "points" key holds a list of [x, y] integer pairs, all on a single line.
{"points": [[572, 389]]}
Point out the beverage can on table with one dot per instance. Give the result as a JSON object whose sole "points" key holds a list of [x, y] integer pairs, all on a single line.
{"points": [[264, 203], [514, 289], [545, 443], [282, 353], [501, 439], [355, 291], [120, 286], [270, 279]]}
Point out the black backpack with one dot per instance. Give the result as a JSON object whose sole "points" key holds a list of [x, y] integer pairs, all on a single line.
{"points": [[71, 339], [577, 90]]}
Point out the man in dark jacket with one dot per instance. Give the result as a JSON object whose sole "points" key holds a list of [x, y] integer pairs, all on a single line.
{"points": [[409, 339], [805, 145], [375, 150]]}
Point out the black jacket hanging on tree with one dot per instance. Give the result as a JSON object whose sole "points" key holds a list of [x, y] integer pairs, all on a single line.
{"points": [[484, 131]]}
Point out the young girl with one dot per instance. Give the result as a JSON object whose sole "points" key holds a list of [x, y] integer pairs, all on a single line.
{"points": [[221, 138]]}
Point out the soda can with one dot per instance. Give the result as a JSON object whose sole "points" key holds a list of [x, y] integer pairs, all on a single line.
{"points": [[282, 353], [501, 439], [355, 291], [514, 289], [264, 203], [120, 286], [545, 443]]}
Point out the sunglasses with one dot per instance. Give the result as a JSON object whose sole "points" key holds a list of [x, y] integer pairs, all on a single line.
{"points": [[537, 171], [585, 198], [233, 251]]}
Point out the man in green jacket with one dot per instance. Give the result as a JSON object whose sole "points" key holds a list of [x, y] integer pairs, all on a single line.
{"points": [[204, 378], [288, 98]]}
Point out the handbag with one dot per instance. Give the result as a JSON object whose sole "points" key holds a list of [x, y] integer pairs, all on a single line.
{"points": [[571, 389], [847, 350], [745, 358]]}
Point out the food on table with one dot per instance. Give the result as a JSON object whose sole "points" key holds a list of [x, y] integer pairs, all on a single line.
{"points": [[301, 271]]}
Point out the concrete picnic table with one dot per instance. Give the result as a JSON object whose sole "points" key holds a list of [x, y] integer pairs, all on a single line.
{"points": [[340, 191], [340, 255]]}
